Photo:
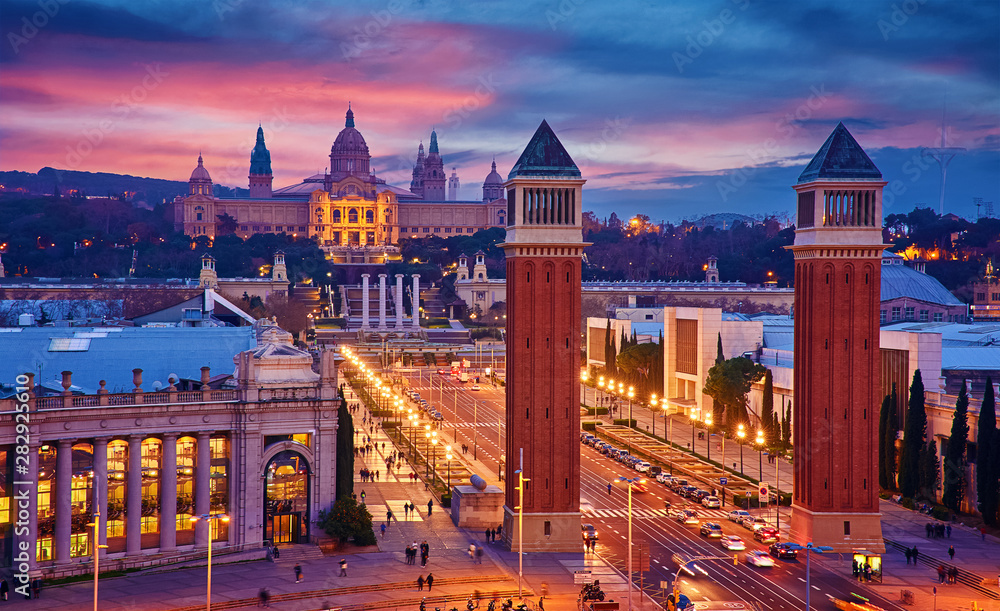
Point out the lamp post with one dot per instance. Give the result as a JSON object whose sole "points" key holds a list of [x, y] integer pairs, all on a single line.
{"points": [[808, 547], [413, 422], [447, 455], [97, 544], [427, 449], [212, 518], [708, 435], [694, 421], [760, 455], [741, 433], [630, 483], [583, 378], [434, 443], [652, 410], [520, 523]]}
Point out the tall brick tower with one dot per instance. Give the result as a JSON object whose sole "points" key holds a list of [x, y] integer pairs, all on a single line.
{"points": [[838, 261], [544, 249]]}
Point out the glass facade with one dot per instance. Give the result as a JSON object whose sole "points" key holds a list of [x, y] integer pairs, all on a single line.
{"points": [[286, 507]]}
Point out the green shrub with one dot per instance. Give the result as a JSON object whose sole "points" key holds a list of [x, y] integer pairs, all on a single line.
{"points": [[940, 512], [446, 500], [347, 518], [429, 357], [597, 411], [624, 422], [340, 323], [908, 503], [364, 538], [589, 426]]}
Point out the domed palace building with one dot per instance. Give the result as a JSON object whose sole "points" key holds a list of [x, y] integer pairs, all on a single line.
{"points": [[353, 213]]}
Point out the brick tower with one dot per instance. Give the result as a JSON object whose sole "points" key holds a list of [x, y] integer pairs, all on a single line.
{"points": [[838, 261], [544, 249]]}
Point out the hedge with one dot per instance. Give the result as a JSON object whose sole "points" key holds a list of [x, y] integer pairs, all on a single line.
{"points": [[589, 426], [624, 422], [597, 411]]}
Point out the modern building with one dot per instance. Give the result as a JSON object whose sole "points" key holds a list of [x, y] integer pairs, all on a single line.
{"points": [[256, 444], [909, 294], [544, 249], [346, 207], [985, 296], [838, 263]]}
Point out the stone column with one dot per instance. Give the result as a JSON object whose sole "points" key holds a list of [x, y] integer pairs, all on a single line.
{"points": [[168, 494], [381, 301], [399, 302], [202, 489], [100, 488], [133, 495], [364, 300], [64, 499], [415, 302], [27, 539]]}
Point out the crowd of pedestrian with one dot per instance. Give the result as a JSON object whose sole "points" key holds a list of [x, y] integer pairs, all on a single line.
{"points": [[938, 530]]}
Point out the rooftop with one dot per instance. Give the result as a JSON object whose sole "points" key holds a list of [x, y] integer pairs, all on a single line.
{"points": [[544, 156], [840, 158]]}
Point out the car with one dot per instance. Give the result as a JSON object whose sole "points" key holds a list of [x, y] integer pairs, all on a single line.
{"points": [[675, 512], [589, 532], [767, 534], [654, 471], [663, 478], [783, 550], [752, 523], [642, 466], [677, 483], [759, 558], [711, 502], [443, 372], [475, 387], [710, 530], [687, 491], [639, 486], [698, 495], [738, 515], [732, 543], [688, 517]]}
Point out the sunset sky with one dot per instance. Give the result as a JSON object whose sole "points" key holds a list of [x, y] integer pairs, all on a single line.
{"points": [[671, 109]]}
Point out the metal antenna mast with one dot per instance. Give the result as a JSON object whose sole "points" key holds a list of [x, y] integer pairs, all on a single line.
{"points": [[943, 155]]}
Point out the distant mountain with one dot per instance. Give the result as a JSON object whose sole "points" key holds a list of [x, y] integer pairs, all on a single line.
{"points": [[138, 190]]}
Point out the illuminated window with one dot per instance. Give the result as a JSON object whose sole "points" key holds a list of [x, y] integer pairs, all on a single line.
{"points": [[352, 215]]}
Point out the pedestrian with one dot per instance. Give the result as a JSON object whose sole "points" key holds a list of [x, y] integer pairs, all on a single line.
{"points": [[982, 531], [430, 581], [916, 554], [499, 529], [947, 530], [868, 573], [388, 516], [479, 555], [262, 598], [430, 506], [854, 569], [383, 530], [298, 572], [406, 511], [928, 528], [487, 535], [941, 573], [343, 567], [36, 587], [362, 497], [493, 535], [420, 583], [907, 553], [4, 589], [472, 552], [609, 488], [951, 552]]}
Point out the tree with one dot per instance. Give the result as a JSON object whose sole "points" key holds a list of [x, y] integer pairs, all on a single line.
{"points": [[638, 360], [610, 354], [914, 435], [986, 474], [767, 409], [929, 475], [883, 422], [954, 457], [226, 224], [720, 356], [345, 450], [889, 439], [728, 384], [786, 427], [346, 519]]}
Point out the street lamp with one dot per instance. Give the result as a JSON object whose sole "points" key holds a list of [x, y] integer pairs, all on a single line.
{"points": [[211, 517], [708, 436], [652, 410], [694, 421], [819, 549], [427, 445], [760, 454], [97, 544], [741, 433], [434, 443], [413, 422], [447, 455], [583, 378], [630, 482]]}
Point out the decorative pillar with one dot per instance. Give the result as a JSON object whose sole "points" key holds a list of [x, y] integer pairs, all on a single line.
{"points": [[168, 494], [100, 488], [133, 495], [64, 499], [381, 301], [399, 302], [415, 301], [202, 489], [364, 300]]}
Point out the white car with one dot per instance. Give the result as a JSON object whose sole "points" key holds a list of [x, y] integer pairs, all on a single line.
{"points": [[711, 502], [663, 478], [732, 543], [752, 524], [738, 515], [759, 558], [642, 466], [475, 387]]}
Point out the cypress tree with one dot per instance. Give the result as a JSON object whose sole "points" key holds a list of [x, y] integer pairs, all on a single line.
{"points": [[345, 450], [609, 361], [767, 409], [883, 464], [929, 476], [914, 435], [986, 474], [954, 459], [720, 356], [889, 443], [786, 427]]}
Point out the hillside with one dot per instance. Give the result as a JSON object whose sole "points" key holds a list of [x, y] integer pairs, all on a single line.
{"points": [[135, 189]]}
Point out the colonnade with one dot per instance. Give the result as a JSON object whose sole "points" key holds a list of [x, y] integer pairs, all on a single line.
{"points": [[383, 294]]}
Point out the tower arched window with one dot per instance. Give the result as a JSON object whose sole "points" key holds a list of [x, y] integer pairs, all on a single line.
{"points": [[199, 213], [369, 216], [336, 216], [352, 215]]}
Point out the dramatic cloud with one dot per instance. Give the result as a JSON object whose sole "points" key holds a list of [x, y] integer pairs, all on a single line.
{"points": [[667, 107]]}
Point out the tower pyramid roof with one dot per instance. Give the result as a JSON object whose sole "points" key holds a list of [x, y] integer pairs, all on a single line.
{"points": [[260, 157], [840, 157], [544, 156]]}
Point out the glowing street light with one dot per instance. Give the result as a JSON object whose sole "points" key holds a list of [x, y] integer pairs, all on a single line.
{"points": [[212, 518], [741, 433]]}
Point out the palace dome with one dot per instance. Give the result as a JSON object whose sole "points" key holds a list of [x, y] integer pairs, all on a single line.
{"points": [[349, 141], [200, 174]]}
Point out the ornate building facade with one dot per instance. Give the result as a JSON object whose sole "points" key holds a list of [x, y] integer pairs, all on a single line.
{"points": [[346, 206]]}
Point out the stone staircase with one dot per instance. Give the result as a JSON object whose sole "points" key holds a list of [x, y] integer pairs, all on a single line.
{"points": [[298, 552]]}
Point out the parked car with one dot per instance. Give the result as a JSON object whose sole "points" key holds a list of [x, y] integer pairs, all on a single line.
{"points": [[783, 550], [752, 523], [699, 494], [711, 502], [677, 483], [711, 530], [654, 471], [663, 478], [687, 491], [766, 534], [589, 532], [732, 543], [642, 466], [738, 515], [759, 558]]}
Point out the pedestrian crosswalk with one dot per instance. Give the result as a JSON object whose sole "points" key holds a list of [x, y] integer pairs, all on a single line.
{"points": [[648, 514]]}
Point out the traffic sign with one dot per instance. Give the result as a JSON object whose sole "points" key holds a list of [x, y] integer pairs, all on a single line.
{"points": [[582, 577], [723, 481], [762, 491]]}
